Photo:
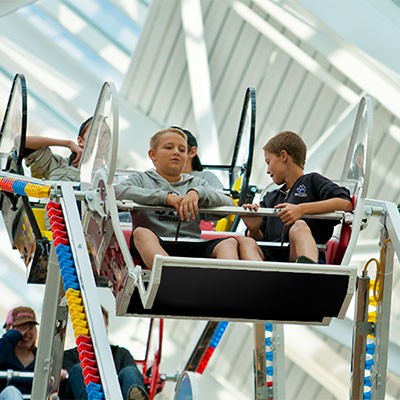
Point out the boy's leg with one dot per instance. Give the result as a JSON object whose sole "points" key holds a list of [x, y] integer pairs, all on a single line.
{"points": [[148, 245], [226, 249], [11, 393], [249, 249], [130, 377], [76, 383], [302, 242]]}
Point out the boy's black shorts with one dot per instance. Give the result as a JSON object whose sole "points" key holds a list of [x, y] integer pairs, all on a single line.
{"points": [[281, 254], [201, 249]]}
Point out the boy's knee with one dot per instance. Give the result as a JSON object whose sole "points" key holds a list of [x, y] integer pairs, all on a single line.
{"points": [[142, 234], [131, 372], [231, 242], [299, 228], [246, 241], [11, 392], [130, 376], [75, 372]]}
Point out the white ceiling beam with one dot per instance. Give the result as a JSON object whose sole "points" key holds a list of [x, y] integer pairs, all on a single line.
{"points": [[200, 82], [294, 52], [8, 7], [317, 359], [341, 331], [331, 139], [371, 76]]}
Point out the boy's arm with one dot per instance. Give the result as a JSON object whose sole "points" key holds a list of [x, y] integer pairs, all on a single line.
{"points": [[253, 223], [254, 227], [8, 342], [37, 142], [33, 143], [70, 358], [290, 213], [132, 189], [210, 196], [325, 206], [212, 179]]}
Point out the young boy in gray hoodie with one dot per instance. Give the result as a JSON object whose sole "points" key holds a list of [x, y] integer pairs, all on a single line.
{"points": [[166, 185]]}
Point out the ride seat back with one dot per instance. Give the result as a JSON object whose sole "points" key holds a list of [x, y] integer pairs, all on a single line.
{"points": [[127, 231], [337, 245]]}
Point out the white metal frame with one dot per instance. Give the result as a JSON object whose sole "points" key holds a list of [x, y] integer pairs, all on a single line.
{"points": [[183, 262]]}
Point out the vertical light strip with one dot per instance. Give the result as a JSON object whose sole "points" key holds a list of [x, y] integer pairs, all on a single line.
{"points": [[200, 82]]}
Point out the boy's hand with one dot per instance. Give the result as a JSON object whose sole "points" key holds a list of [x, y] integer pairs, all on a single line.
{"points": [[64, 374], [251, 207], [252, 223], [289, 213], [174, 200], [189, 207], [78, 151], [22, 329]]}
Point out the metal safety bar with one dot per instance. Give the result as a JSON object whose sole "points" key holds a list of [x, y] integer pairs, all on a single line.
{"points": [[126, 205]]}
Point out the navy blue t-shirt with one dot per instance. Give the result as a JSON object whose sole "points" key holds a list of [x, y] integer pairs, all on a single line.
{"points": [[8, 360], [308, 188]]}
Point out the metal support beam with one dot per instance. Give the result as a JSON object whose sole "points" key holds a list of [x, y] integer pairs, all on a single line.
{"points": [[331, 139], [89, 294], [53, 325], [381, 341], [269, 361]]}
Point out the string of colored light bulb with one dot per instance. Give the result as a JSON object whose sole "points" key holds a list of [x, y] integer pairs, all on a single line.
{"points": [[75, 304], [24, 188]]}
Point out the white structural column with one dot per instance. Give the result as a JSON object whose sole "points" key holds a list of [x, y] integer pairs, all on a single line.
{"points": [[200, 82], [91, 301], [7, 7], [316, 357], [331, 139]]}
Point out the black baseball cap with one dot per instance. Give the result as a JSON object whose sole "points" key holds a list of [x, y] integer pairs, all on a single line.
{"points": [[192, 142]]}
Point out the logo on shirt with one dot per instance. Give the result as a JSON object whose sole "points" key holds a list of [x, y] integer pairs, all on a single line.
{"points": [[301, 191], [167, 216]]}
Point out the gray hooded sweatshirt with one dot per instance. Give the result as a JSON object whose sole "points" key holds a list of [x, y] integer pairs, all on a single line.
{"points": [[150, 188]]}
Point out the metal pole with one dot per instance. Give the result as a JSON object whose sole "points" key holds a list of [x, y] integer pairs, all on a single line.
{"points": [[260, 378], [53, 325], [278, 342], [382, 325], [361, 329], [105, 362]]}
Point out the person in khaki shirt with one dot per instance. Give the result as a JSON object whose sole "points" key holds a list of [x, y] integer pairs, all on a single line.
{"points": [[44, 164]]}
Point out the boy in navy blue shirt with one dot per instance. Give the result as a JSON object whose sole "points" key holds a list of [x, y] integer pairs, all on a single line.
{"points": [[298, 195]]}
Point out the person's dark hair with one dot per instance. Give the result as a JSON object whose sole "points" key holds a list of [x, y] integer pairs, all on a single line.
{"points": [[83, 126], [192, 142], [292, 143]]}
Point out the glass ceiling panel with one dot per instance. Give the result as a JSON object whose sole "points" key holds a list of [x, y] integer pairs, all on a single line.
{"points": [[72, 46], [109, 19]]}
